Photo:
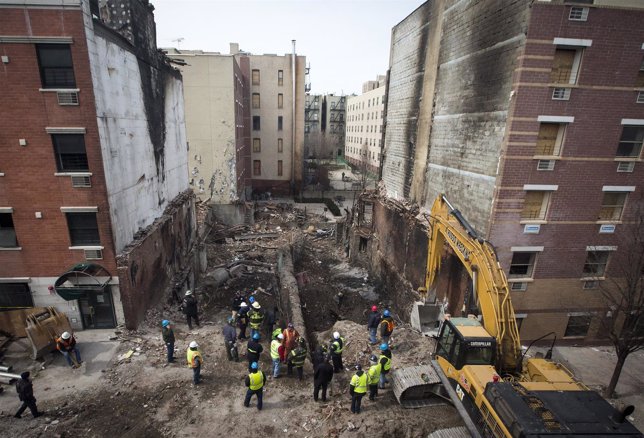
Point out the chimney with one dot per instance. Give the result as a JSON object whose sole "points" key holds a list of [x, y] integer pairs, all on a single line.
{"points": [[234, 48]]}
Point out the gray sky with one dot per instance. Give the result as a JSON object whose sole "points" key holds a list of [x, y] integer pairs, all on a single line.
{"points": [[345, 42]]}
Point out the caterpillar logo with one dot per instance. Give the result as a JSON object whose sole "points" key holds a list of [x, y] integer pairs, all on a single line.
{"points": [[459, 245]]}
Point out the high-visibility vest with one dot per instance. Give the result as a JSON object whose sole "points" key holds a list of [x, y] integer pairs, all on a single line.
{"points": [[276, 332], [359, 383], [256, 380], [338, 345], [275, 345], [298, 356], [374, 374], [256, 319], [387, 365], [191, 357]]}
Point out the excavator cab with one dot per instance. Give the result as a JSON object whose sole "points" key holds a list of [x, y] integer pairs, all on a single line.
{"points": [[463, 341]]}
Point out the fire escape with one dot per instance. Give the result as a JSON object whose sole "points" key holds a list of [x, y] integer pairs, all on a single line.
{"points": [[336, 124]]}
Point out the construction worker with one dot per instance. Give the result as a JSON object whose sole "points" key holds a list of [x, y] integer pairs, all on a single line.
{"points": [[255, 384], [374, 376], [25, 390], [290, 338], [242, 320], [230, 339], [256, 317], [276, 343], [372, 324], [193, 356], [320, 355], [337, 345], [168, 338], [386, 327], [385, 364], [237, 300], [296, 359], [66, 344], [190, 308], [253, 349], [322, 375], [358, 388]]}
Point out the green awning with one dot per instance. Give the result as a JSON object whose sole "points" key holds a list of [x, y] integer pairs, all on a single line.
{"points": [[81, 280]]}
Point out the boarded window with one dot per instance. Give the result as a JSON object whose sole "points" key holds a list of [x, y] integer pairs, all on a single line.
{"points": [[257, 145], [280, 145], [257, 167], [562, 68], [280, 100], [535, 205], [280, 77], [255, 77], [612, 206], [280, 168], [550, 138], [255, 100]]}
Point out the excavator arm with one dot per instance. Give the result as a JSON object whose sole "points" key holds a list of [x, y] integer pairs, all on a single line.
{"points": [[490, 286]]}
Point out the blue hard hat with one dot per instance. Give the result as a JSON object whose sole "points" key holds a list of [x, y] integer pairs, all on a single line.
{"points": [[384, 346], [251, 299], [386, 312], [256, 337], [165, 323], [253, 365]]}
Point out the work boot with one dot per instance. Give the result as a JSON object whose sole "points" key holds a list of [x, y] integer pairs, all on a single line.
{"points": [[18, 416]]}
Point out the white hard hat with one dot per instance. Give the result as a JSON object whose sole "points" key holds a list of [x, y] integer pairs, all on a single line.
{"points": [[194, 344], [336, 335], [188, 292], [256, 305], [65, 335], [280, 336], [243, 305]]}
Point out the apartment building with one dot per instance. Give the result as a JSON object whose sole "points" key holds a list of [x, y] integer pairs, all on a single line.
{"points": [[365, 124], [324, 126], [533, 126], [312, 125], [96, 216], [217, 100]]}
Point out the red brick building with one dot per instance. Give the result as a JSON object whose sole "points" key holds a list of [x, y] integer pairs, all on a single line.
{"points": [[84, 167]]}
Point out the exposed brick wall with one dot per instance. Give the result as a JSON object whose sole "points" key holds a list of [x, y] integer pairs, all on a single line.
{"points": [[29, 184], [160, 260]]}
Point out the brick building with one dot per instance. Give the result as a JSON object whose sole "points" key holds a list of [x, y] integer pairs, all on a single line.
{"points": [[324, 117], [531, 120], [96, 216]]}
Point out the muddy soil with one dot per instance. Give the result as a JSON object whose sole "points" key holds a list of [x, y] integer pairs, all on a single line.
{"points": [[143, 396]]}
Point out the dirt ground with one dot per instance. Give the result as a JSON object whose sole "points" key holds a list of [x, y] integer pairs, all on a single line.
{"points": [[142, 396]]}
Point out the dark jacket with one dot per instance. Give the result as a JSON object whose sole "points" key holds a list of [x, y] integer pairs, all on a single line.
{"points": [[236, 302], [25, 390], [242, 318], [384, 326], [256, 347], [168, 335], [323, 373], [230, 334], [374, 319], [190, 305], [318, 356]]}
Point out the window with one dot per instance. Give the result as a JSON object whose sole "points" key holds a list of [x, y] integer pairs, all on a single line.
{"points": [[255, 77], [256, 123], [257, 167], [280, 123], [280, 100], [535, 206], [550, 138], [13, 295], [255, 100], [83, 229], [630, 143], [640, 76], [518, 286], [522, 264], [280, 168], [7, 231], [280, 77], [578, 326], [70, 152], [612, 206], [578, 14], [56, 68], [566, 64], [257, 145], [595, 265]]}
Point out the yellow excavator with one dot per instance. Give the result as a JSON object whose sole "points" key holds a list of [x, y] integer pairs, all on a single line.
{"points": [[478, 362]]}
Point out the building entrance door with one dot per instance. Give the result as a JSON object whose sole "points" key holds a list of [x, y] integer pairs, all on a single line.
{"points": [[97, 309]]}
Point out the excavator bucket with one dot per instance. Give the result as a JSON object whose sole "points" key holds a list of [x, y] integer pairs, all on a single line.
{"points": [[426, 317], [43, 328]]}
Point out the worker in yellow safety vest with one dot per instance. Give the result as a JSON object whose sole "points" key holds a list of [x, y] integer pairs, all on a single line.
{"points": [[276, 343], [256, 316], [255, 384], [374, 377], [358, 388], [193, 356], [337, 345], [385, 363]]}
